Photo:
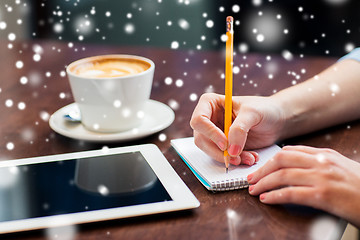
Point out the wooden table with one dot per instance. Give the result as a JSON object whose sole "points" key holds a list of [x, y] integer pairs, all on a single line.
{"points": [[25, 107]]}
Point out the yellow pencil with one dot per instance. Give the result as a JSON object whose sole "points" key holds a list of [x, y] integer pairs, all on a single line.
{"points": [[228, 83]]}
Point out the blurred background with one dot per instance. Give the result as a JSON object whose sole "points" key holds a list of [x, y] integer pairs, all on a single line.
{"points": [[320, 27]]}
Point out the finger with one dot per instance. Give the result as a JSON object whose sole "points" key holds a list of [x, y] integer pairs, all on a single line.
{"points": [[200, 122], [281, 178], [235, 160], [256, 155], [301, 148], [295, 195], [320, 153], [209, 147], [247, 158], [245, 120], [283, 159]]}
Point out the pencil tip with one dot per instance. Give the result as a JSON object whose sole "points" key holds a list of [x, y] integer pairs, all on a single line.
{"points": [[227, 170]]}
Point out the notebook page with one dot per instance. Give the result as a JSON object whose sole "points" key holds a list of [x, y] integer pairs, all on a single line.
{"points": [[212, 170]]}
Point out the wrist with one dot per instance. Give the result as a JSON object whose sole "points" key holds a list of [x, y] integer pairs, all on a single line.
{"points": [[290, 115]]}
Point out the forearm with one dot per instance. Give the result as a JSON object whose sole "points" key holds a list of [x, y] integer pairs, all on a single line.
{"points": [[327, 99]]}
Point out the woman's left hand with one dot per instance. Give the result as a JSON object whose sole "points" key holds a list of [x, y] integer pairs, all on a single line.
{"points": [[319, 178]]}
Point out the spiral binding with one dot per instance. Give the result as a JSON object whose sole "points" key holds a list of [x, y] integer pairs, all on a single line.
{"points": [[230, 184]]}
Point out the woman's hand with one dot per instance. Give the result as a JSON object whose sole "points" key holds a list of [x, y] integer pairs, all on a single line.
{"points": [[257, 123], [319, 178]]}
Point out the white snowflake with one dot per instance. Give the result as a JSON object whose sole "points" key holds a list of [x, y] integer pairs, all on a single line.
{"points": [[349, 47], [9, 103], [168, 80], [129, 28], [175, 45], [44, 116], [243, 48], [236, 70], [117, 103], [173, 104], [21, 105], [287, 55], [260, 38], [103, 190], [58, 27], [62, 95], [209, 23], [11, 36], [162, 137], [179, 82], [223, 38], [235, 8], [24, 80], [193, 97], [184, 24], [3, 25], [10, 146], [36, 57]]}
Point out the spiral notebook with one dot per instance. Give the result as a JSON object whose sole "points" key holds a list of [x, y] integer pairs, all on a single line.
{"points": [[212, 173]]}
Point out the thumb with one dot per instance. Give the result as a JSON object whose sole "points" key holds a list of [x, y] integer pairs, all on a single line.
{"points": [[244, 121]]}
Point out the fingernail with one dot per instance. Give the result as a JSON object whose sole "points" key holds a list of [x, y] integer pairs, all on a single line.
{"points": [[221, 145], [234, 150], [262, 196], [251, 187], [256, 156]]}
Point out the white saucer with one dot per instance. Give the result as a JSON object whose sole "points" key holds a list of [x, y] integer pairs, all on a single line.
{"points": [[158, 116]]}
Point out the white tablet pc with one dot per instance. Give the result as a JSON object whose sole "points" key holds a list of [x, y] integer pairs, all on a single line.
{"points": [[89, 186]]}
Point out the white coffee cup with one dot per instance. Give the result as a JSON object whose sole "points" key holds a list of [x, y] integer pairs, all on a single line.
{"points": [[111, 90]]}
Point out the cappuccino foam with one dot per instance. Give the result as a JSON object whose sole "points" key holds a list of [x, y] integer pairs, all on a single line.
{"points": [[110, 67]]}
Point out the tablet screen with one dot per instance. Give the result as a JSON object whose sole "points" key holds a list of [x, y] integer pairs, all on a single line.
{"points": [[78, 185]]}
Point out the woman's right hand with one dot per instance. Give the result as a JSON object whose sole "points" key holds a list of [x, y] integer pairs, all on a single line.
{"points": [[257, 123]]}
